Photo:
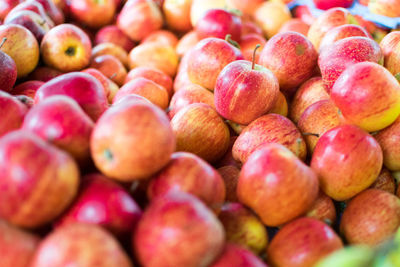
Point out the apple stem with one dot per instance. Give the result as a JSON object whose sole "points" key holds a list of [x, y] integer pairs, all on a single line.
{"points": [[374, 133], [3, 41], [232, 42], [313, 134], [254, 56], [298, 141], [112, 76]]}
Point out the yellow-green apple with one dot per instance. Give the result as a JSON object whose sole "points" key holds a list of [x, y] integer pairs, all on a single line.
{"points": [[82, 87], [150, 90], [371, 217], [281, 105], [316, 120], [236, 256], [328, 20], [59, 120], [295, 25], [276, 185], [190, 94], [44, 74], [270, 128], [385, 182], [8, 74], [388, 8], [200, 130], [291, 57], [166, 37], [247, 7], [270, 16], [112, 34], [17, 246], [80, 244], [92, 13], [356, 152], [153, 74], [244, 91], [243, 228], [230, 175], [21, 46], [103, 202], [177, 229], [111, 49], [34, 192], [334, 59], [341, 32], [388, 139], [6, 6], [110, 88], [13, 113], [111, 67], [308, 93], [249, 26], [323, 209], [132, 140], [189, 173], [177, 14], [66, 47], [248, 43], [349, 256], [27, 88], [368, 95], [199, 7], [327, 4], [207, 58], [55, 14], [186, 42], [138, 18], [390, 46], [302, 243]]}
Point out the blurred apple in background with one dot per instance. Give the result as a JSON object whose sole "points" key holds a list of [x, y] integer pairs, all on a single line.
{"points": [[13, 113], [94, 14], [199, 7], [390, 46], [35, 6], [165, 37], [388, 8], [323, 209], [230, 175], [112, 34], [8, 74], [52, 11], [295, 25], [112, 49], [110, 88], [341, 32], [177, 14], [111, 67], [237, 256], [186, 42], [327, 4], [44, 74], [28, 88], [388, 140], [385, 182]]}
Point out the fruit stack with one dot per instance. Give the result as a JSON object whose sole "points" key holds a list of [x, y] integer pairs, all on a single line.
{"points": [[221, 133]]}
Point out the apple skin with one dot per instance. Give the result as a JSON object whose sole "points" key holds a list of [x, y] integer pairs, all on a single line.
{"points": [[270, 16], [93, 14], [302, 243], [138, 18], [230, 175], [35, 6], [126, 161], [189, 173], [291, 57], [390, 46], [237, 256], [177, 15], [44, 74], [277, 185], [52, 11], [113, 50], [150, 90], [166, 37], [281, 105], [243, 228], [248, 43], [8, 74], [341, 32], [17, 246], [112, 34], [374, 94], [200, 130], [385, 182], [196, 237], [82, 87], [111, 67], [26, 100], [371, 217], [7, 6], [186, 42], [388, 8], [13, 113], [327, 4], [356, 152], [349, 256], [66, 48], [103, 202], [388, 139], [343, 53], [247, 7], [199, 7], [21, 46], [323, 209], [303, 12], [110, 88], [59, 120], [270, 128], [80, 244], [51, 174], [295, 25]]}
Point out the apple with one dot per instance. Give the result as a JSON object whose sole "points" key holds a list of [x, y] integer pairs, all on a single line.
{"points": [[388, 140], [177, 229], [110, 88], [270, 16], [94, 14], [21, 46], [165, 37], [291, 57], [247, 7], [281, 105], [44, 74], [17, 246], [341, 32], [150, 90], [111, 67], [148, 140], [6, 6], [227, 159], [55, 14], [34, 174], [390, 46], [207, 58], [343, 53], [66, 48], [327, 4], [199, 7], [303, 242], [27, 88], [35, 6], [177, 14], [80, 244], [349, 256], [155, 55], [13, 113], [249, 26], [138, 18], [199, 129], [303, 12], [371, 217], [112, 34], [26, 100], [295, 25], [8, 75], [388, 8], [244, 91], [113, 50], [237, 256], [356, 152], [248, 43], [182, 77], [269, 128], [86, 90], [230, 175], [186, 42], [323, 209], [385, 182], [243, 228]]}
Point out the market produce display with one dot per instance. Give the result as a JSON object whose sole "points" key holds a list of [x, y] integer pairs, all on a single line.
{"points": [[199, 133]]}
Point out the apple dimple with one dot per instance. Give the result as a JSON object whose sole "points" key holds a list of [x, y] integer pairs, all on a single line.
{"points": [[70, 51]]}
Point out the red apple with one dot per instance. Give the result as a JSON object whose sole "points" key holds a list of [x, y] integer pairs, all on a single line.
{"points": [[199, 7], [390, 46], [111, 67], [281, 105], [302, 243], [34, 174], [327, 4], [165, 37], [230, 175], [341, 32], [356, 152], [52, 11], [113, 50], [186, 42], [177, 14], [237, 256], [92, 13], [110, 88], [86, 90], [295, 25], [303, 12], [248, 43], [112, 34], [6, 6], [177, 229], [80, 244], [388, 8], [13, 113], [385, 182], [8, 74], [277, 185], [250, 27], [371, 217], [323, 209], [35, 6], [388, 139], [44, 74]]}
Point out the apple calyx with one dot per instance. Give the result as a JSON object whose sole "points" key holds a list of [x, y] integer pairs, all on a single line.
{"points": [[253, 61], [70, 51], [108, 154], [3, 41], [232, 42]]}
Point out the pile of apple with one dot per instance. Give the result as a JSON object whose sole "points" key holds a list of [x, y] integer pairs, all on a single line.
{"points": [[221, 133]]}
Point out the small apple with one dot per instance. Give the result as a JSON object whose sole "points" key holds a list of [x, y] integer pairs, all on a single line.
{"points": [[177, 14], [52, 11], [111, 67], [165, 37], [341, 32], [110, 88], [270, 16], [8, 74], [113, 50], [92, 13], [13, 113], [230, 175], [323, 209], [385, 181], [237, 256], [112, 34]]}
